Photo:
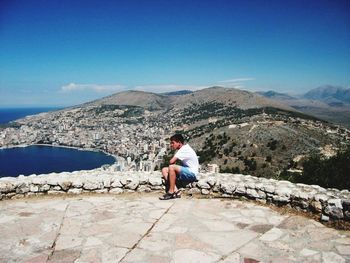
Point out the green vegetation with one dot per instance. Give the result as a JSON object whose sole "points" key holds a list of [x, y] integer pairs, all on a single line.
{"points": [[329, 173], [129, 111], [272, 145]]}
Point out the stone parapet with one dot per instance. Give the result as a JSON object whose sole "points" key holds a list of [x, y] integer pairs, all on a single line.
{"points": [[329, 204]]}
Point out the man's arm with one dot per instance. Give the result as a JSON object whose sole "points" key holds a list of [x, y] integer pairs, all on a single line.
{"points": [[173, 160]]}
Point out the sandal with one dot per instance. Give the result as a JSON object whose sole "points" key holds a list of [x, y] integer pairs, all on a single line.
{"points": [[168, 196], [178, 194]]}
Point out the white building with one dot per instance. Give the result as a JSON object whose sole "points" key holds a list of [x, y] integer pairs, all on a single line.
{"points": [[213, 168]]}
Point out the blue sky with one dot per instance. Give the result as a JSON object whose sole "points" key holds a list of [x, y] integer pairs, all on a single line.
{"points": [[60, 53]]}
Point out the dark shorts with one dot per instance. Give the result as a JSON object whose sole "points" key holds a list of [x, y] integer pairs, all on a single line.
{"points": [[186, 175]]}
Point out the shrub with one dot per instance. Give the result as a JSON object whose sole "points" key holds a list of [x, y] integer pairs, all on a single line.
{"points": [[330, 173]]}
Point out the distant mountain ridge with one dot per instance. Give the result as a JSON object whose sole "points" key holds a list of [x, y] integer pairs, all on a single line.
{"points": [[331, 103], [180, 92], [238, 130], [142, 99], [329, 94], [154, 101], [275, 95]]}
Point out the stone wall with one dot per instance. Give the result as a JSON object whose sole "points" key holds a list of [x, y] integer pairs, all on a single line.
{"points": [[330, 204]]}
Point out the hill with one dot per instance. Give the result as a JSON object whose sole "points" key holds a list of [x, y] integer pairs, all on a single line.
{"points": [[147, 100], [332, 95], [328, 103], [238, 130], [153, 101]]}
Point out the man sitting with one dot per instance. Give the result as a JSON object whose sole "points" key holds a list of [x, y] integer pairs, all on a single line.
{"points": [[187, 172]]}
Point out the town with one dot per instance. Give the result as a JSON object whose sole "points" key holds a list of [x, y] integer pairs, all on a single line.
{"points": [[137, 137]]}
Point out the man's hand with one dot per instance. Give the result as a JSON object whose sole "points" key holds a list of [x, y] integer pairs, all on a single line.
{"points": [[173, 160]]}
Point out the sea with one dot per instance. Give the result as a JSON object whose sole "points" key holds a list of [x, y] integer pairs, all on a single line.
{"points": [[41, 159], [11, 114]]}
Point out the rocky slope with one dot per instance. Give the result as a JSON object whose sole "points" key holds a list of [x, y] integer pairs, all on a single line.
{"points": [[328, 103], [238, 130]]}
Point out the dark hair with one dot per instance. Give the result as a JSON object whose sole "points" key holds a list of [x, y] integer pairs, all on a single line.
{"points": [[177, 138]]}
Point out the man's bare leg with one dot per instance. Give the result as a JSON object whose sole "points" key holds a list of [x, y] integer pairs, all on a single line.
{"points": [[173, 171], [165, 174]]}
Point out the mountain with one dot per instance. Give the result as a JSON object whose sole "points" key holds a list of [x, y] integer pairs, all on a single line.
{"points": [[238, 130], [329, 103], [180, 92], [275, 95], [154, 101], [142, 99], [332, 95]]}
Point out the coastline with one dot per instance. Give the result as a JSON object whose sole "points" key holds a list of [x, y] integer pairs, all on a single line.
{"points": [[116, 157]]}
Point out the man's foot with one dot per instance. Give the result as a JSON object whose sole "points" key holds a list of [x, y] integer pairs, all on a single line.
{"points": [[178, 194], [168, 196]]}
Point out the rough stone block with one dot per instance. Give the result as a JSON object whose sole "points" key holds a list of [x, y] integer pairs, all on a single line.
{"points": [[116, 191], [116, 183], [280, 199], [101, 191], [316, 206], [283, 191], [155, 181], [144, 188], [346, 204], [33, 188], [91, 185], [205, 192], [65, 185], [157, 187], [132, 185], [75, 191], [241, 189], [44, 188], [22, 188], [262, 194], [335, 202], [52, 181], [252, 193], [347, 215], [194, 191], [10, 195], [203, 184], [334, 212], [269, 189], [56, 188], [6, 187], [143, 179], [228, 188], [106, 181], [77, 183], [211, 181], [216, 188]]}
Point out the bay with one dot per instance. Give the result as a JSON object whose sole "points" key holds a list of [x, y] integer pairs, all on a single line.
{"points": [[38, 159], [11, 114]]}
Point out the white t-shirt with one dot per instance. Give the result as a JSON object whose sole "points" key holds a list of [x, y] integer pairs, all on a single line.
{"points": [[189, 158]]}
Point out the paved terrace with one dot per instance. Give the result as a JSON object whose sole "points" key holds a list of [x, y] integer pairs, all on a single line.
{"points": [[138, 227]]}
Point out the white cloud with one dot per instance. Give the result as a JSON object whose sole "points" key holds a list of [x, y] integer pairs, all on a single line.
{"points": [[237, 83], [167, 88], [238, 80], [72, 87]]}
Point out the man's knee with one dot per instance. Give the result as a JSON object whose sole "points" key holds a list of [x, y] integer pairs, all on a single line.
{"points": [[165, 171], [174, 168]]}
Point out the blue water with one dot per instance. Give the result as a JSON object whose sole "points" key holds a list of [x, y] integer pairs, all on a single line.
{"points": [[46, 159], [10, 114]]}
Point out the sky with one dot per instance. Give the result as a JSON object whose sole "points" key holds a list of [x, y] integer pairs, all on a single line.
{"points": [[64, 52]]}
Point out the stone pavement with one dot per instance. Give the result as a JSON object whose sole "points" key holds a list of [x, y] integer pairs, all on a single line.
{"points": [[141, 228]]}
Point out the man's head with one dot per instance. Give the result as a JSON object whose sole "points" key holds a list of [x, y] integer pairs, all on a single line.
{"points": [[176, 141]]}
